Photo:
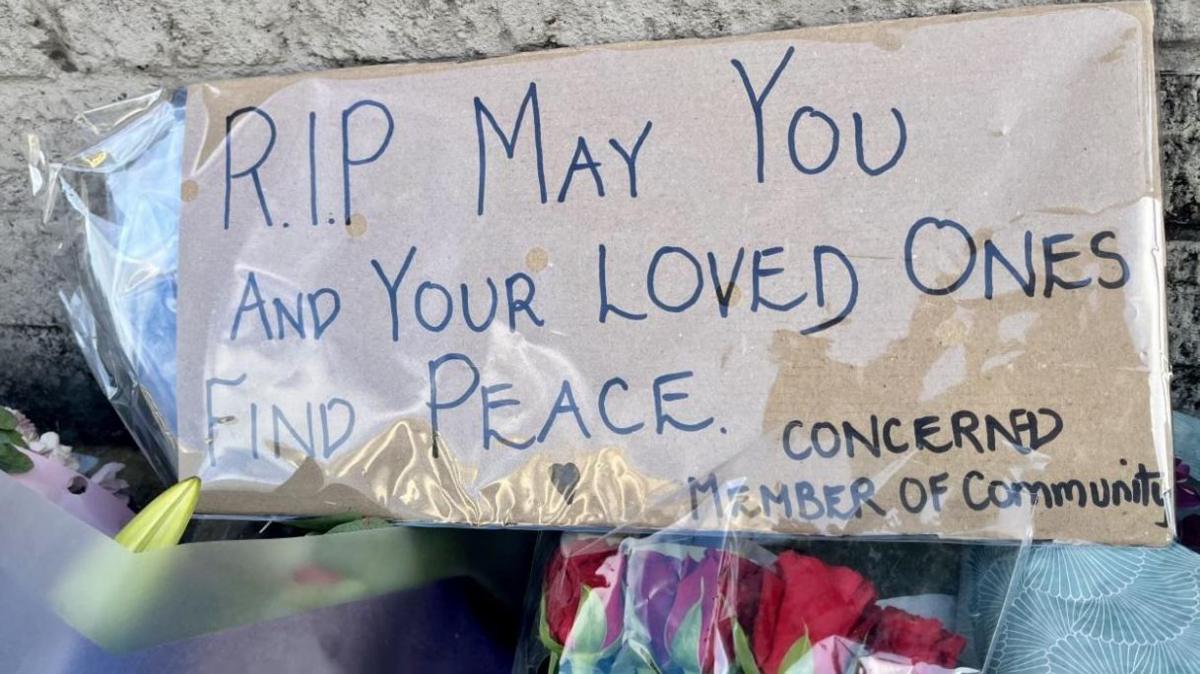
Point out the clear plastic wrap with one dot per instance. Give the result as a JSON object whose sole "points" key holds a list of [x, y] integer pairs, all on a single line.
{"points": [[117, 204], [675, 604], [725, 603], [880, 279], [124, 601]]}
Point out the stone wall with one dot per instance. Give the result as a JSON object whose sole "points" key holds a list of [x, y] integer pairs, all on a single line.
{"points": [[58, 57]]}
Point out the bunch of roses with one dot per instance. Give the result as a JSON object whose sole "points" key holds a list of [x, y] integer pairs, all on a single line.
{"points": [[694, 610]]}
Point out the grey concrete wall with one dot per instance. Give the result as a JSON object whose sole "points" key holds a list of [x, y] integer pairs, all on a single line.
{"points": [[58, 57]]}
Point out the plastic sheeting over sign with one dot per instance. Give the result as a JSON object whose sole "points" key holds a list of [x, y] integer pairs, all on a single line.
{"points": [[899, 278]]}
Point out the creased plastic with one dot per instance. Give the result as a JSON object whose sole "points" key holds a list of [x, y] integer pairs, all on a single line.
{"points": [[935, 414], [125, 601], [677, 604], [120, 254]]}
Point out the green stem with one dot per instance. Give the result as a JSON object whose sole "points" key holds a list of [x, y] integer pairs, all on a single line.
{"points": [[553, 662]]}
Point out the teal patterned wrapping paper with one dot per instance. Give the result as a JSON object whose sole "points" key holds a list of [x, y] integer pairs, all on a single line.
{"points": [[1094, 609]]}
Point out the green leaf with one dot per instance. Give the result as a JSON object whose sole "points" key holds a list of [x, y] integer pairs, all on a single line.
{"points": [[360, 524], [13, 438], [794, 661], [591, 625], [323, 524], [544, 635], [13, 461], [742, 651], [161, 523], [685, 648], [8, 420]]}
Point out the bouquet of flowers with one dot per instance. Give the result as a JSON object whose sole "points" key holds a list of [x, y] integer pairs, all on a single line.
{"points": [[645, 605], [40, 461]]}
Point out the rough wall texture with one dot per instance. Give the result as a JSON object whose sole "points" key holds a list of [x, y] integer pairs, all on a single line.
{"points": [[58, 57]]}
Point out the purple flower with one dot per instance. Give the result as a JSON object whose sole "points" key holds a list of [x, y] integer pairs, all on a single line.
{"points": [[1187, 495], [688, 605], [656, 592], [689, 630], [1189, 532]]}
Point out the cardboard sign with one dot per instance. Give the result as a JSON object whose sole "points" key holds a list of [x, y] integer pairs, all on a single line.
{"points": [[886, 278]]}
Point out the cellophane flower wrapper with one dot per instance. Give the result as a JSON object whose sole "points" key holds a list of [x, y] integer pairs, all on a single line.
{"points": [[124, 601], [1094, 609], [811, 365], [674, 603], [109, 188]]}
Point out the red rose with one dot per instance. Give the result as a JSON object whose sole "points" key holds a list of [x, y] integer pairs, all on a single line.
{"points": [[916, 638], [741, 583], [587, 572], [807, 600]]}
